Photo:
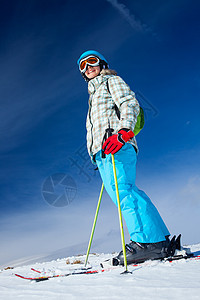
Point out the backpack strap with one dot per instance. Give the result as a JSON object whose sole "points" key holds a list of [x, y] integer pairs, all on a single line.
{"points": [[140, 118]]}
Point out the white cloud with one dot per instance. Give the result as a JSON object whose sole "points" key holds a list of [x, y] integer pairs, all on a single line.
{"points": [[125, 12], [134, 22], [191, 190], [176, 195], [62, 232]]}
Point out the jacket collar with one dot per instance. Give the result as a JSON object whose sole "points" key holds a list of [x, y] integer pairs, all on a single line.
{"points": [[95, 83]]}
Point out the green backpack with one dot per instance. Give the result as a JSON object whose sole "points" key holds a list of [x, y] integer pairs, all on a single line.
{"points": [[140, 122], [140, 118]]}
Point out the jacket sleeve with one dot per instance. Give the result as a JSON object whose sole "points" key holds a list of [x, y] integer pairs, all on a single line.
{"points": [[125, 100]]}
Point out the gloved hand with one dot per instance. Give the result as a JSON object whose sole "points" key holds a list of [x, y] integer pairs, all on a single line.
{"points": [[115, 142]]}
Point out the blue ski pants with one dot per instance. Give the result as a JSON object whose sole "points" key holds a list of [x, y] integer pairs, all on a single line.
{"points": [[143, 221]]}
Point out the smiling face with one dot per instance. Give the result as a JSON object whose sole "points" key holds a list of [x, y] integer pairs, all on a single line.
{"points": [[92, 72]]}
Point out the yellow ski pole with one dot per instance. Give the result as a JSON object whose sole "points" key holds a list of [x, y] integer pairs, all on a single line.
{"points": [[120, 215], [94, 224]]}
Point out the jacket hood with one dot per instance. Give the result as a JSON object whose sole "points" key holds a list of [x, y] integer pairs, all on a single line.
{"points": [[108, 72]]}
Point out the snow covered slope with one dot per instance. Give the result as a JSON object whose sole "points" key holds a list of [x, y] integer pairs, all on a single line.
{"points": [[151, 280]]}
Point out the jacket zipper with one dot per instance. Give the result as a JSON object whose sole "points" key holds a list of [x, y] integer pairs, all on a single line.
{"points": [[90, 107]]}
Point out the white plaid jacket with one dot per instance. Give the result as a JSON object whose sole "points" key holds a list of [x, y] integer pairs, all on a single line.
{"points": [[101, 109]]}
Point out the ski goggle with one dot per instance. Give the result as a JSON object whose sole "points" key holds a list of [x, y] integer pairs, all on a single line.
{"points": [[90, 60]]}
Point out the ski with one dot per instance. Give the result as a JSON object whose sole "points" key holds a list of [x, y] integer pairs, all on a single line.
{"points": [[104, 267], [47, 277], [113, 262], [174, 251], [37, 271]]}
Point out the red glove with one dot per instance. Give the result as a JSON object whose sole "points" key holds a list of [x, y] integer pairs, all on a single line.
{"points": [[115, 142]]}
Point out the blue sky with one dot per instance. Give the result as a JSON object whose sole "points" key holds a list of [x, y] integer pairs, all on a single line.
{"points": [[154, 46]]}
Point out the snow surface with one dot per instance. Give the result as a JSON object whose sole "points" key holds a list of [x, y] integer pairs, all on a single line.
{"points": [[151, 280]]}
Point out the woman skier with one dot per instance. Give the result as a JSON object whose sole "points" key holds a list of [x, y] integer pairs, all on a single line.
{"points": [[108, 133]]}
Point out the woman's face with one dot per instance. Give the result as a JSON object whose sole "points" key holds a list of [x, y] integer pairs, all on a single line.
{"points": [[92, 72]]}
